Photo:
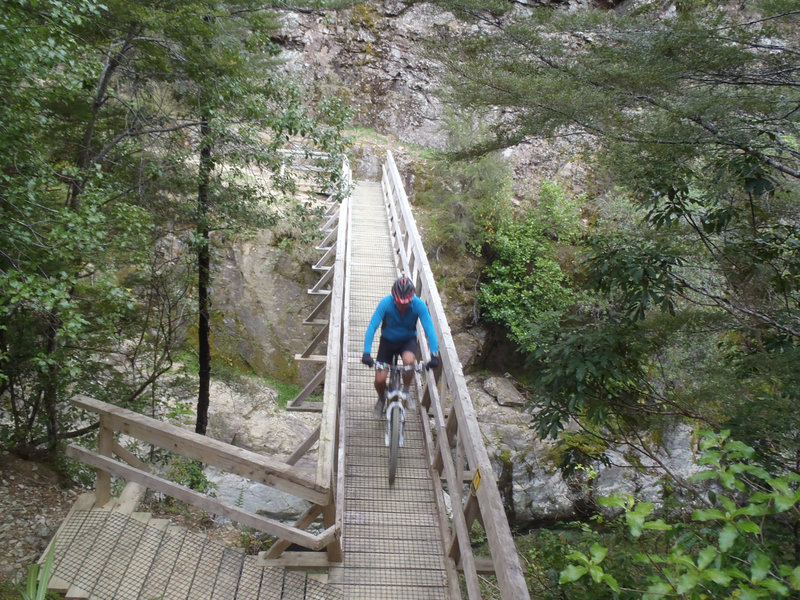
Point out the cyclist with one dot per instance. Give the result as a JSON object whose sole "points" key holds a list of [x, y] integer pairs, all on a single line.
{"points": [[397, 315]]}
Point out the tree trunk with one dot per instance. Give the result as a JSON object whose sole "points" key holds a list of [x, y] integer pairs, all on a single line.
{"points": [[51, 384], [203, 279]]}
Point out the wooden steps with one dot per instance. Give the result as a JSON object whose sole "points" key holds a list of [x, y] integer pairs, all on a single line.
{"points": [[112, 553]]}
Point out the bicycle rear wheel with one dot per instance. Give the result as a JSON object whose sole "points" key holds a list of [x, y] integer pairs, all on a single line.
{"points": [[394, 442]]}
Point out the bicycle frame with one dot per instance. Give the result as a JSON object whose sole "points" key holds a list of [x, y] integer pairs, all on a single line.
{"points": [[395, 412]]}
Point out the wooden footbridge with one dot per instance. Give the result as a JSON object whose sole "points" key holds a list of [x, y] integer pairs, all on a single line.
{"points": [[360, 538]]}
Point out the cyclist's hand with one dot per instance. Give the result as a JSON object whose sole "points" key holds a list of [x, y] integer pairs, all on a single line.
{"points": [[433, 362], [367, 359]]}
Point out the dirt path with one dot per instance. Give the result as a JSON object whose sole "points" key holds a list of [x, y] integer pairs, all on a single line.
{"points": [[32, 505]]}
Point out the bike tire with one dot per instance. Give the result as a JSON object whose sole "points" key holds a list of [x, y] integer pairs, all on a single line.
{"points": [[394, 442]]}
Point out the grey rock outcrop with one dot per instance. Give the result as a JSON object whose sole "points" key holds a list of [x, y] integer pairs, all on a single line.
{"points": [[503, 390], [534, 488], [260, 301]]}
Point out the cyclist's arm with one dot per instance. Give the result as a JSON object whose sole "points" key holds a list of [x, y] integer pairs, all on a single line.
{"points": [[427, 324], [374, 322]]}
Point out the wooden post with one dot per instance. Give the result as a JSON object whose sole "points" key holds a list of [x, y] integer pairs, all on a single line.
{"points": [[105, 446]]}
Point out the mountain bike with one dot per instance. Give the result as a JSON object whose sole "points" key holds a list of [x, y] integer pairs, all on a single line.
{"points": [[395, 410]]}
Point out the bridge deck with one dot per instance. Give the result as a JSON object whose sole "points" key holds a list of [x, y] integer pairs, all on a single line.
{"points": [[391, 540]]}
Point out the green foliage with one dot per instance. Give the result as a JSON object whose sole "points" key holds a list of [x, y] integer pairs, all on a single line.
{"points": [[683, 297], [738, 547], [525, 280], [189, 472], [589, 370], [39, 577], [469, 199], [100, 133], [572, 450]]}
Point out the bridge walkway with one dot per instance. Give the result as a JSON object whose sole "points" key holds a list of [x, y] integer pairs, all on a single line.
{"points": [[390, 534]]}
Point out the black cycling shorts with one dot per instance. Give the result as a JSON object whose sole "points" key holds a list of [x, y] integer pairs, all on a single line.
{"points": [[388, 349]]}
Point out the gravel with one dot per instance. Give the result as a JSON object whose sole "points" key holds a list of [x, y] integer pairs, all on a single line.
{"points": [[32, 506]]}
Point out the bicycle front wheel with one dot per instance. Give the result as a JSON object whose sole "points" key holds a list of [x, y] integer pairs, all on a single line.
{"points": [[394, 442]]}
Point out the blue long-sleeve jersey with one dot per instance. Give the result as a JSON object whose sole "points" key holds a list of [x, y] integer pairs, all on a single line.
{"points": [[398, 328]]}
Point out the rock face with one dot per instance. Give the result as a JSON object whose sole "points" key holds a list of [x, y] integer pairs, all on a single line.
{"points": [[245, 414], [373, 56], [534, 489], [260, 301]]}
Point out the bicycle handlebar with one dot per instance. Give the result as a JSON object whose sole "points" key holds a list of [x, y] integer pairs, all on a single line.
{"points": [[382, 366]]}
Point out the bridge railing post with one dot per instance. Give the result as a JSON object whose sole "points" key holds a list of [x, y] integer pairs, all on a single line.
{"points": [[105, 447]]}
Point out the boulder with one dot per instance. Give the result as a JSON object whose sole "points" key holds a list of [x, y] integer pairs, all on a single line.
{"points": [[503, 390], [245, 414]]}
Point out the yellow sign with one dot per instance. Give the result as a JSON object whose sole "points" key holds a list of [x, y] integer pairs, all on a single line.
{"points": [[476, 481]]}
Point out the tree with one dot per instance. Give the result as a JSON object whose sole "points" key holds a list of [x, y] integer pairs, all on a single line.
{"points": [[691, 116], [97, 165], [748, 555], [224, 67], [60, 301]]}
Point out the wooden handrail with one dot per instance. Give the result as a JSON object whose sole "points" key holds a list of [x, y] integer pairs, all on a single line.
{"points": [[326, 461], [461, 424], [209, 451], [212, 505]]}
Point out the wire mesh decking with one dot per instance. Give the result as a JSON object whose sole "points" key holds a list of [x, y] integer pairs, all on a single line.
{"points": [[391, 538], [103, 554]]}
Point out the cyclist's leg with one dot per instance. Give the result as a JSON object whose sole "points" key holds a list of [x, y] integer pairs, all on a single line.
{"points": [[409, 358], [385, 354]]}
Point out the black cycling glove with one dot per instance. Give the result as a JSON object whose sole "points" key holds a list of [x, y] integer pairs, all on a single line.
{"points": [[367, 359], [433, 362]]}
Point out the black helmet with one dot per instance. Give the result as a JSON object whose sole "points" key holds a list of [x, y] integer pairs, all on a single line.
{"points": [[403, 290]]}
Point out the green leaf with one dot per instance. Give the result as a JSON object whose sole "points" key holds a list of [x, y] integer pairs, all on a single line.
{"points": [[753, 510], [687, 582], [749, 527], [658, 525], [775, 586], [611, 582], [747, 593], [727, 479], [596, 573], [657, 591], [577, 555], [711, 514], [759, 567], [706, 556], [572, 573], [635, 523], [717, 576], [727, 503], [727, 536], [613, 500], [735, 446], [703, 475], [644, 508], [598, 553], [784, 502], [794, 578]]}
